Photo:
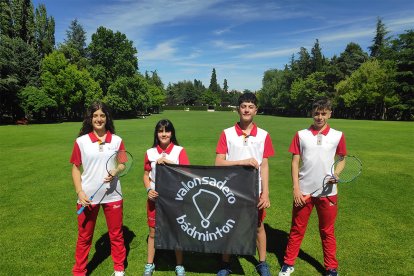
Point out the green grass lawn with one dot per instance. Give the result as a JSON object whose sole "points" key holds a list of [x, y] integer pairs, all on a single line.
{"points": [[37, 200]]}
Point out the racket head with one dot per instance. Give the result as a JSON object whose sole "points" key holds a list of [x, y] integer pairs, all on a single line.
{"points": [[351, 170], [121, 159]]}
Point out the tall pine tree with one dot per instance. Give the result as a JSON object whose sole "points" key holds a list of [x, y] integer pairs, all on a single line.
{"points": [[44, 31], [23, 20], [317, 59], [6, 20], [214, 87], [380, 41], [74, 45]]}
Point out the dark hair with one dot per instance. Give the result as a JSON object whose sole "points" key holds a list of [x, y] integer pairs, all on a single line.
{"points": [[248, 97], [322, 104], [168, 125], [87, 120]]}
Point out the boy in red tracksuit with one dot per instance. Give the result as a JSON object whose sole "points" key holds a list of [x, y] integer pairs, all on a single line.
{"points": [[246, 144], [316, 148]]}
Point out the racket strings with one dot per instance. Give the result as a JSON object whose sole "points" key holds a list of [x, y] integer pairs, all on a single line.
{"points": [[351, 170], [122, 161], [126, 161]]}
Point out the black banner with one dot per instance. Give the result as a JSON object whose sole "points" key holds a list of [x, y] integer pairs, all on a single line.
{"points": [[207, 208]]}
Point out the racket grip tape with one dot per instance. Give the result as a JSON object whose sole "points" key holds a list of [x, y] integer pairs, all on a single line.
{"points": [[83, 207], [80, 210]]}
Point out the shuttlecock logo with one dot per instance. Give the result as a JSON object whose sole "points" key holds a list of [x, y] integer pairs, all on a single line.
{"points": [[210, 203], [203, 225]]}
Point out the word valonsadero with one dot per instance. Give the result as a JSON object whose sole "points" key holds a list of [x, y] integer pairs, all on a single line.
{"points": [[211, 209]]}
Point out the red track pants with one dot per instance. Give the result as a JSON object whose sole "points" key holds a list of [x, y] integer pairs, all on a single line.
{"points": [[86, 225], [327, 210]]}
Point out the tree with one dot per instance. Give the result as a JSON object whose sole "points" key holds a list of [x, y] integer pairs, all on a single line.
{"points": [[214, 87], [317, 60], [350, 59], [129, 96], [333, 75], [380, 41], [170, 96], [225, 86], [224, 94], [157, 96], [44, 31], [6, 18], [274, 96], [82, 91], [210, 98], [185, 93], [269, 90], [19, 67], [154, 79], [23, 20], [76, 37], [302, 66], [368, 92], [74, 46], [233, 97], [305, 91], [72, 89], [199, 89], [403, 48], [156, 91], [112, 56], [36, 103]]}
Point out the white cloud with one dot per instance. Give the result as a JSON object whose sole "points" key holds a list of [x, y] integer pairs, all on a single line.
{"points": [[138, 16], [222, 31], [271, 53], [401, 21], [258, 10], [347, 35], [229, 45], [164, 50]]}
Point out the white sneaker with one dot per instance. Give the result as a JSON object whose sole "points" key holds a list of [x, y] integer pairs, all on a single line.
{"points": [[180, 270], [149, 269], [286, 270], [119, 273]]}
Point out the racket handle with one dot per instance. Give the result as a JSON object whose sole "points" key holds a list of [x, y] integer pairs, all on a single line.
{"points": [[92, 196], [83, 207], [80, 210]]}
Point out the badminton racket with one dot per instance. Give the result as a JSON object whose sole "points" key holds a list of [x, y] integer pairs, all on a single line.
{"points": [[341, 172], [117, 165]]}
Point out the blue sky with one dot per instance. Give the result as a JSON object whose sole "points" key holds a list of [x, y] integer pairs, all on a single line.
{"points": [[241, 39]]}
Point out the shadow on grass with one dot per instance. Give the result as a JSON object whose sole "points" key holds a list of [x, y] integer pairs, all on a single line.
{"points": [[103, 249], [201, 262], [194, 262], [210, 263], [276, 244]]}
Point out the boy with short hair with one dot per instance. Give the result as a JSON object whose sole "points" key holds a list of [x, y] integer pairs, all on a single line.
{"points": [[316, 148], [247, 145]]}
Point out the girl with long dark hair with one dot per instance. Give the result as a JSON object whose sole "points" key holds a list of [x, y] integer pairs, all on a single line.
{"points": [[96, 143]]}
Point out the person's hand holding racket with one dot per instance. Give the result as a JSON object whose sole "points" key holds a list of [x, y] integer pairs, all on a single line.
{"points": [[115, 172], [117, 165], [83, 199], [344, 170]]}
